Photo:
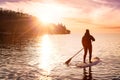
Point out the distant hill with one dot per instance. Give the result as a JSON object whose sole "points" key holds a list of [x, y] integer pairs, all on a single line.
{"points": [[12, 22]]}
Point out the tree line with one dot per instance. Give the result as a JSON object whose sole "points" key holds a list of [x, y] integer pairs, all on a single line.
{"points": [[13, 22]]}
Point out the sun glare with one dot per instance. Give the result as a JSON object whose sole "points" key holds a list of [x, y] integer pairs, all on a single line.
{"points": [[45, 58], [51, 13]]}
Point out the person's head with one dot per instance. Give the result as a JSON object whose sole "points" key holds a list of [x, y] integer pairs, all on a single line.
{"points": [[87, 32]]}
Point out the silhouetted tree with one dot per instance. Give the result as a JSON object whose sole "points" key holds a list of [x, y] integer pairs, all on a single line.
{"points": [[12, 22]]}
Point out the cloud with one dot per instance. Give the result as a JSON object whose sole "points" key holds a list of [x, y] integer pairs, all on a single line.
{"points": [[98, 12], [114, 27], [13, 1], [4, 1], [110, 3]]}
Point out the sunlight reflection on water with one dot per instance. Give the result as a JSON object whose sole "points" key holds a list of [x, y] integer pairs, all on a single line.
{"points": [[48, 54], [45, 50]]}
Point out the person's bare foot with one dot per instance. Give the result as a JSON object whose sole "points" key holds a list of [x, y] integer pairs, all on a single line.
{"points": [[84, 62], [90, 61]]}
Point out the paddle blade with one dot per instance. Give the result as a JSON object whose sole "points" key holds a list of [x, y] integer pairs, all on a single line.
{"points": [[68, 61]]}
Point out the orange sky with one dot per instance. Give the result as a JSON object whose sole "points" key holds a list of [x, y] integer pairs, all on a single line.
{"points": [[77, 15]]}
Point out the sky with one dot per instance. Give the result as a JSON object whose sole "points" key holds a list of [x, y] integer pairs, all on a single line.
{"points": [[97, 15]]}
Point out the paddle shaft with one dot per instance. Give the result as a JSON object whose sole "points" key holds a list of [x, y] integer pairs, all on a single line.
{"points": [[77, 53], [68, 61]]}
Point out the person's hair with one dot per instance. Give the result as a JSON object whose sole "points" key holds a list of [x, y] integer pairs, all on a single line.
{"points": [[87, 32]]}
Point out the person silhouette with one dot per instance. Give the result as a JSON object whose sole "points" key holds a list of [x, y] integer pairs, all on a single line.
{"points": [[87, 45]]}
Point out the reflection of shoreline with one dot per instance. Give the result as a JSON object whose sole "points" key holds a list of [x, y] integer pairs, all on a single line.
{"points": [[87, 75]]}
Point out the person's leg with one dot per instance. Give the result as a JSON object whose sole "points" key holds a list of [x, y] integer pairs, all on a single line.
{"points": [[85, 53], [90, 54]]}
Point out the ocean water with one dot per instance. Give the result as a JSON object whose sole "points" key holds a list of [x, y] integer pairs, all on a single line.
{"points": [[43, 57]]}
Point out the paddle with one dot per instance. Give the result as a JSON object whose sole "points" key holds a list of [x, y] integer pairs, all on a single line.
{"points": [[68, 61]]}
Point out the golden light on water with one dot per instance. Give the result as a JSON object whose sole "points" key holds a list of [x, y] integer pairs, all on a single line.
{"points": [[45, 58]]}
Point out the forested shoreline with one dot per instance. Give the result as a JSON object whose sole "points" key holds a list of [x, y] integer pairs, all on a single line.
{"points": [[12, 22]]}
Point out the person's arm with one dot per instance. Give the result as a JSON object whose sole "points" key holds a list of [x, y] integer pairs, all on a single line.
{"points": [[92, 38]]}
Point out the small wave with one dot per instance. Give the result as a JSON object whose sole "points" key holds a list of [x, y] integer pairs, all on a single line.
{"points": [[21, 72]]}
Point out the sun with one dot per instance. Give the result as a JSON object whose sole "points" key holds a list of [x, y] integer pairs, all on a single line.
{"points": [[51, 13]]}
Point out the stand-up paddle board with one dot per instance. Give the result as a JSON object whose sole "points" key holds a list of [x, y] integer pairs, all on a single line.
{"points": [[95, 61]]}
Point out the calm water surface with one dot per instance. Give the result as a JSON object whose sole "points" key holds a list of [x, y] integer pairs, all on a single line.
{"points": [[42, 58]]}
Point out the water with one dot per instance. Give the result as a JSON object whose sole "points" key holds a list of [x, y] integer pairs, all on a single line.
{"points": [[42, 58]]}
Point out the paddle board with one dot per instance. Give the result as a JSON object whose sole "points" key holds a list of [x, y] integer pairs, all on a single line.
{"points": [[95, 61]]}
